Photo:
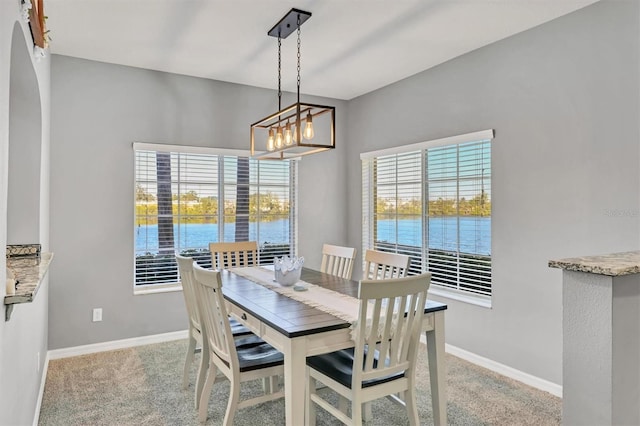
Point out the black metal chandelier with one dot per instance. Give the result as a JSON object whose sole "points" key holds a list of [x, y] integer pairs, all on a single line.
{"points": [[299, 129]]}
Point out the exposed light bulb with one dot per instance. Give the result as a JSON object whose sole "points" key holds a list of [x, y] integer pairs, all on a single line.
{"points": [[270, 141], [308, 128], [288, 138], [279, 137]]}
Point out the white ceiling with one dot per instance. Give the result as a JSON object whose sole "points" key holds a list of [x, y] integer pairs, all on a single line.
{"points": [[349, 47]]}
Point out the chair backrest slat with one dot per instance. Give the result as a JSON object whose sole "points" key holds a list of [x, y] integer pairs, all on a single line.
{"points": [[389, 321], [337, 260], [381, 265], [213, 312], [185, 267], [234, 254]]}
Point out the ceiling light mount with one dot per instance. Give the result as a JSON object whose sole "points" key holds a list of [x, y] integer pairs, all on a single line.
{"points": [[289, 23], [288, 132]]}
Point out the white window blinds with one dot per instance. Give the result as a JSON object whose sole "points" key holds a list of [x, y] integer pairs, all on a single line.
{"points": [[185, 200], [433, 203]]}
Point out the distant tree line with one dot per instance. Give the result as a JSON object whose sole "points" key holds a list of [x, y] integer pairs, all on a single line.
{"points": [[195, 209], [479, 205]]}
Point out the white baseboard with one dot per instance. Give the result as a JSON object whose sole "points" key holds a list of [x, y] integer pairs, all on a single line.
{"points": [[116, 344], [505, 370], [43, 379]]}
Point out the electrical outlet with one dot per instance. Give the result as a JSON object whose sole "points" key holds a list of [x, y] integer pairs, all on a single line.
{"points": [[97, 314]]}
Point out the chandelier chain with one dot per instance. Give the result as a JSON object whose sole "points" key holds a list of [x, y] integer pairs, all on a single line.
{"points": [[298, 58], [279, 73]]}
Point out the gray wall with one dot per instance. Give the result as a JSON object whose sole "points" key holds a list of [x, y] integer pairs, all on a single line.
{"points": [[563, 99], [24, 139], [100, 109]]}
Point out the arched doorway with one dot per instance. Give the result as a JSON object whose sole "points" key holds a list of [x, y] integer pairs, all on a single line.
{"points": [[25, 140]]}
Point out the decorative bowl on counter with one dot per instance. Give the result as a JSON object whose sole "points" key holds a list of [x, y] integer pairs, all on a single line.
{"points": [[287, 270]]}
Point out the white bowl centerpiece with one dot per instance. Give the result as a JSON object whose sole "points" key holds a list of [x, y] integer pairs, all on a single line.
{"points": [[288, 269]]}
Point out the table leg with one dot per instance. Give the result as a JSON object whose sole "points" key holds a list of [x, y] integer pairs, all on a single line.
{"points": [[437, 369], [294, 383]]}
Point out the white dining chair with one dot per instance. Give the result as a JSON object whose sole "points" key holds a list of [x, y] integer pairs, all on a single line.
{"points": [[226, 255], [362, 374], [239, 360], [337, 260], [185, 267], [236, 254], [383, 265]]}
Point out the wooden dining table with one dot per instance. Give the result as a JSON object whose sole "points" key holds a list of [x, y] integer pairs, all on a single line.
{"points": [[299, 330]]}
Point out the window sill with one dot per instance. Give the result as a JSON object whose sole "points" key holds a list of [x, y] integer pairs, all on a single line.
{"points": [[473, 299], [154, 289]]}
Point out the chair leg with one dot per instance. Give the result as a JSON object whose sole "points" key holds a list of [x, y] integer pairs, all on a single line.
{"points": [[412, 408], [366, 412], [270, 384], [202, 375], [232, 405], [266, 386], [188, 361], [356, 412], [273, 383], [206, 393], [309, 406]]}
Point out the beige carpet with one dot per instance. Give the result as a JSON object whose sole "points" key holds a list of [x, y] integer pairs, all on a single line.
{"points": [[141, 386]]}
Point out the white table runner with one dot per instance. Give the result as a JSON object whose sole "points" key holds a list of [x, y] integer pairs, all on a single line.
{"points": [[337, 304], [340, 305]]}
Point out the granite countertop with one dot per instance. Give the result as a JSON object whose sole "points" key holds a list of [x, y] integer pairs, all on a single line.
{"points": [[614, 264], [29, 271]]}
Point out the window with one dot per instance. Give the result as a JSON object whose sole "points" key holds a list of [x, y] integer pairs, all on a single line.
{"points": [[187, 197], [432, 201]]}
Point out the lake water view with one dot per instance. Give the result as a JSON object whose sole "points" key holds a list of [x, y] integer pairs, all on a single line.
{"points": [[475, 234]]}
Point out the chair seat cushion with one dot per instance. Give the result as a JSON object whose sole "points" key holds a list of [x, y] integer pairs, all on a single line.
{"points": [[339, 366], [237, 329], [254, 353]]}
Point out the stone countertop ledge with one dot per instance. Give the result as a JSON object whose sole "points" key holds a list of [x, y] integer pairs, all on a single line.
{"points": [[614, 264], [29, 273]]}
